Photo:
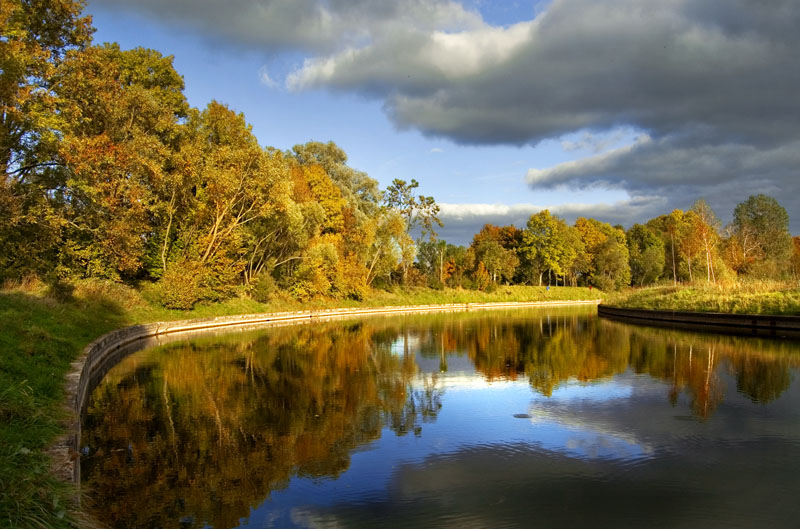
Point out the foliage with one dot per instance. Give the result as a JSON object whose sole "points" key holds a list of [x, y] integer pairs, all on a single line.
{"points": [[496, 249], [759, 243], [647, 257]]}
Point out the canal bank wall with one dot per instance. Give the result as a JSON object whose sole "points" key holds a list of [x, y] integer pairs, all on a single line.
{"points": [[105, 352], [759, 325]]}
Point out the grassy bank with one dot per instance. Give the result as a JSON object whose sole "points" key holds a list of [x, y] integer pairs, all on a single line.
{"points": [[40, 336], [755, 297]]}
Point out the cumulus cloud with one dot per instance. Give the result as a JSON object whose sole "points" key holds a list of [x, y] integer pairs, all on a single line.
{"points": [[712, 84], [728, 65], [318, 26]]}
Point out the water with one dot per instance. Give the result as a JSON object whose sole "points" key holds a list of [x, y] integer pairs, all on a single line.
{"points": [[527, 418]]}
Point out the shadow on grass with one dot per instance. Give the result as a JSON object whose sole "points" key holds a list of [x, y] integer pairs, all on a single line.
{"points": [[39, 338]]}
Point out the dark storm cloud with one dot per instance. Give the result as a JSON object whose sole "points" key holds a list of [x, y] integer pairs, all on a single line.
{"points": [[730, 67], [685, 169]]}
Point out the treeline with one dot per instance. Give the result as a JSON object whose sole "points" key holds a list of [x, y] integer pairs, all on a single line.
{"points": [[683, 246], [107, 172]]}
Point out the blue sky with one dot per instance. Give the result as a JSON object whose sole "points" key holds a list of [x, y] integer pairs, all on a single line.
{"points": [[499, 109]]}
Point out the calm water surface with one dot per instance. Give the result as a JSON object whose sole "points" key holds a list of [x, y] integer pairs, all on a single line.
{"points": [[524, 418]]}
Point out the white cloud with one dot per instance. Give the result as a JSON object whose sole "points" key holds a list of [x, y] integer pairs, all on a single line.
{"points": [[266, 80]]}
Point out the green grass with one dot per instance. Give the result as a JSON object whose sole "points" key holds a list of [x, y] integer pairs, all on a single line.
{"points": [[752, 297], [40, 336]]}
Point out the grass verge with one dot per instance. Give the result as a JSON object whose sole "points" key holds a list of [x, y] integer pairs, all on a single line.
{"points": [[753, 297], [40, 336]]}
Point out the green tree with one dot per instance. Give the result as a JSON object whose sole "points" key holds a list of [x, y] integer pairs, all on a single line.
{"points": [[646, 251], [496, 248], [419, 210], [760, 233], [607, 253], [545, 245]]}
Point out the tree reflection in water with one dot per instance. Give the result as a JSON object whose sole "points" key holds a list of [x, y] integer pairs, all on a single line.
{"points": [[199, 433]]}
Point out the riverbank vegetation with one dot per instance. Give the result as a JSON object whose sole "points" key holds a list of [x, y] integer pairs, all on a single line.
{"points": [[42, 330], [750, 297], [106, 172]]}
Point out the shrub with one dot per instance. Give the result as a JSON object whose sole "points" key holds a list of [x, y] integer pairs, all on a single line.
{"points": [[264, 288], [181, 286]]}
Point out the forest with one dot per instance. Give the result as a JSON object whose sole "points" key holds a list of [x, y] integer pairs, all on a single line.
{"points": [[108, 173]]}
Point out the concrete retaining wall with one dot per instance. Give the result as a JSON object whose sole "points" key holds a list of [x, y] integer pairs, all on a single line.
{"points": [[105, 352], [745, 324]]}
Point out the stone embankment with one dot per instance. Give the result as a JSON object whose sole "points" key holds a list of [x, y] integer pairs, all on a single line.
{"points": [[105, 352], [762, 325]]}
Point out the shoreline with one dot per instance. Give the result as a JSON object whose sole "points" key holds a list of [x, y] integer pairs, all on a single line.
{"points": [[754, 325], [106, 351]]}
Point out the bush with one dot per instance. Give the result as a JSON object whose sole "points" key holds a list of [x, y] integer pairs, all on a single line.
{"points": [[481, 277], [181, 286], [264, 288]]}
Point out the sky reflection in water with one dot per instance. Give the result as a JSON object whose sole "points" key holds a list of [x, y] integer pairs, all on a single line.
{"points": [[501, 419]]}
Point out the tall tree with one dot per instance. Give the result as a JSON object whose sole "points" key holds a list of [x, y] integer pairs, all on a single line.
{"points": [[607, 253], [760, 233], [550, 245], [646, 251], [357, 187], [496, 248], [36, 35], [417, 210], [121, 137], [703, 234]]}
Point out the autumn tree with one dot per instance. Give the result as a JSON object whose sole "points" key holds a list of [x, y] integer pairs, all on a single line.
{"points": [[235, 183], [701, 237], [36, 36], [388, 239], [548, 245], [120, 140], [358, 189], [496, 248]]}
